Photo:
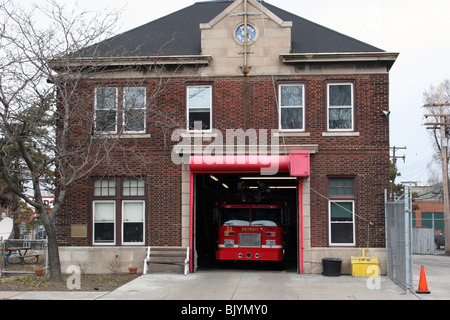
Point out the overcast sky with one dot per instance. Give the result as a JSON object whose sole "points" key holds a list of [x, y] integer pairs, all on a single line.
{"points": [[417, 29]]}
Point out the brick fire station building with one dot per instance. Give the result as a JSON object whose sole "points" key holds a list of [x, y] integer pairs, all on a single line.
{"points": [[235, 102]]}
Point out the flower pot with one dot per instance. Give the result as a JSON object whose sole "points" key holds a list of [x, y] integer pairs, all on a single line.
{"points": [[133, 270], [39, 272]]}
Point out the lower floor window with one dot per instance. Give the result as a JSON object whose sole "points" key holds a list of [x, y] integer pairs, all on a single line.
{"points": [[104, 222], [342, 222], [131, 222]]}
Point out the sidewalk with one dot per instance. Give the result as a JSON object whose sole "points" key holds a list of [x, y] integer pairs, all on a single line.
{"points": [[234, 285]]}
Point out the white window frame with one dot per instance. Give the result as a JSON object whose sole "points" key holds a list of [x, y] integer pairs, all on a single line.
{"points": [[351, 107], [143, 222], [94, 223], [143, 108], [330, 222], [208, 108], [116, 104], [280, 107]]}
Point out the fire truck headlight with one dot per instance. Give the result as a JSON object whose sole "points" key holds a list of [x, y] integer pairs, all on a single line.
{"points": [[228, 243], [271, 234], [271, 243], [228, 234]]}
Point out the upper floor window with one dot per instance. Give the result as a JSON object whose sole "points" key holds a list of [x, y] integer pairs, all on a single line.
{"points": [[199, 108], [134, 100], [111, 118], [106, 100], [292, 107], [340, 107]]}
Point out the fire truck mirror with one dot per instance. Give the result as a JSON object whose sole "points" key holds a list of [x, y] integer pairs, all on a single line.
{"points": [[215, 215], [285, 214]]}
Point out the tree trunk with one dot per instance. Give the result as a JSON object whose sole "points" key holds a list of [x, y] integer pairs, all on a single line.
{"points": [[53, 252]]}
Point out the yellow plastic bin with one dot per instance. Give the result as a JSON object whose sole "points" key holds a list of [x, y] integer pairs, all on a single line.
{"points": [[365, 266]]}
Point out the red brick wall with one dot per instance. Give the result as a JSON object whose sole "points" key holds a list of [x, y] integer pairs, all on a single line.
{"points": [[426, 206], [250, 102]]}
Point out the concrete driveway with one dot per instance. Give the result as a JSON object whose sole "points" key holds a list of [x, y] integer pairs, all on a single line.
{"points": [[437, 272], [249, 285]]}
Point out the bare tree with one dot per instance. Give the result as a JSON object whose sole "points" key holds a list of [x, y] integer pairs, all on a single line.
{"points": [[35, 105], [53, 133]]}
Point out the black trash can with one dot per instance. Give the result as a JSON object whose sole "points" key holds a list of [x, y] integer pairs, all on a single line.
{"points": [[331, 267]]}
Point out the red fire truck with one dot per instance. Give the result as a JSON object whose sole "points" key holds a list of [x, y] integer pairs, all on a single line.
{"points": [[250, 232]]}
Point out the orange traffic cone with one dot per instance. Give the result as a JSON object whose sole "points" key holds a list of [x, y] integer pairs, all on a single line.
{"points": [[423, 287]]}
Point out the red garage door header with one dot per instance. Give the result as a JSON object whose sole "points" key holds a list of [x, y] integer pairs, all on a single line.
{"points": [[297, 163]]}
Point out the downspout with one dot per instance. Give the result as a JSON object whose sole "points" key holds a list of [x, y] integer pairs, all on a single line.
{"points": [[300, 227], [245, 68], [191, 222]]}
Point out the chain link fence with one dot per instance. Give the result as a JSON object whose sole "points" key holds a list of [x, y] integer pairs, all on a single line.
{"points": [[399, 240], [23, 256]]}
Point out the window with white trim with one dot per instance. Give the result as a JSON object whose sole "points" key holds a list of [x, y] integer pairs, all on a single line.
{"points": [[340, 107], [292, 107], [104, 222], [134, 100], [118, 217], [199, 108], [341, 209], [106, 100], [129, 117], [133, 222]]}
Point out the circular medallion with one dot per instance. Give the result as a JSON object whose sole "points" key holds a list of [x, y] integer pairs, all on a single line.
{"points": [[240, 33]]}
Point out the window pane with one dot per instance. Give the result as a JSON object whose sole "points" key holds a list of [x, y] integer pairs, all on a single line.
{"points": [[133, 187], [104, 214], [134, 98], [199, 106], [133, 218], [291, 96], [342, 211], [199, 97], [291, 118], [134, 120], [340, 118], [105, 120], [340, 95], [342, 233], [202, 118], [133, 232], [341, 187], [104, 232], [106, 98], [134, 113], [105, 188], [133, 212], [104, 211]]}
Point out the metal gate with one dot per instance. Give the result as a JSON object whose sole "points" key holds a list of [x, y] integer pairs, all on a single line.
{"points": [[399, 240]]}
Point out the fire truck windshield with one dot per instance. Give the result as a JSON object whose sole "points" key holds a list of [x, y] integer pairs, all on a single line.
{"points": [[268, 217]]}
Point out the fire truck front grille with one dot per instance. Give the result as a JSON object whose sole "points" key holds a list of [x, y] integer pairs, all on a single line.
{"points": [[250, 240]]}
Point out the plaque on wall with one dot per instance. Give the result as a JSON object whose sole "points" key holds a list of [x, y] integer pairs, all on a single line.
{"points": [[78, 231]]}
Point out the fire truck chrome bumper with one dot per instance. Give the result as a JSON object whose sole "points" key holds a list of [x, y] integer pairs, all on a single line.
{"points": [[263, 246], [263, 254]]}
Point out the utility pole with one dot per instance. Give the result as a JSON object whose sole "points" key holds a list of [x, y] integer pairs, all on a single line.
{"points": [[443, 123], [394, 157]]}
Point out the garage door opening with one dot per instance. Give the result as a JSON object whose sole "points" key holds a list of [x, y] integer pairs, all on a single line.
{"points": [[249, 182], [246, 221]]}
